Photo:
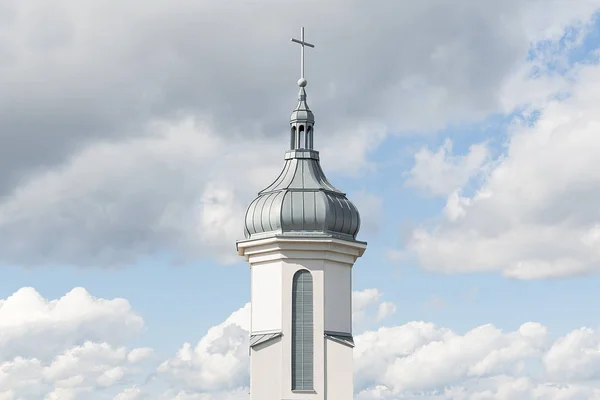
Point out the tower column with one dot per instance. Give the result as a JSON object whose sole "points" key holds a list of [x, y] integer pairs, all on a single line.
{"points": [[274, 340], [301, 246]]}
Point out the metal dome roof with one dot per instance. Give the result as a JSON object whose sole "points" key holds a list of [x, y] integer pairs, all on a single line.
{"points": [[301, 201]]}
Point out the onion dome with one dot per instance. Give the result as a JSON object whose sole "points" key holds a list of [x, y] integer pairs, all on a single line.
{"points": [[301, 201]]}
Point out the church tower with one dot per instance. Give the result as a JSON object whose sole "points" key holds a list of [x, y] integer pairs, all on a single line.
{"points": [[301, 245]]}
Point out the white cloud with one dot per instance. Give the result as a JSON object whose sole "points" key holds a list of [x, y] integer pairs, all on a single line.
{"points": [[63, 394], [137, 355], [182, 189], [35, 327], [535, 215], [363, 299], [384, 310], [65, 348], [441, 173], [483, 363], [131, 393], [236, 394], [550, 22], [219, 361], [7, 395], [101, 188], [575, 356], [367, 307], [92, 364]]}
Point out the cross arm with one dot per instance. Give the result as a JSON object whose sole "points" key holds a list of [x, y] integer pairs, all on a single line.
{"points": [[303, 43]]}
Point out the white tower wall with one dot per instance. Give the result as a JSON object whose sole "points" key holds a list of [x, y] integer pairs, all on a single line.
{"points": [[273, 263], [300, 240], [338, 297], [339, 364], [266, 291]]}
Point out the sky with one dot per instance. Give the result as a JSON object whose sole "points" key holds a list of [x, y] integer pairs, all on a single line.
{"points": [[135, 134]]}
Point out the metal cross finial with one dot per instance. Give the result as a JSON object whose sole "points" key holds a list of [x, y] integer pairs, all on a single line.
{"points": [[302, 44]]}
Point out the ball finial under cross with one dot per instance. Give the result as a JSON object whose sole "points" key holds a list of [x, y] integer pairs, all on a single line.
{"points": [[302, 82]]}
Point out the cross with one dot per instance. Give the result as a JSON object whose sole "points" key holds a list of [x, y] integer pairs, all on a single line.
{"points": [[302, 43]]}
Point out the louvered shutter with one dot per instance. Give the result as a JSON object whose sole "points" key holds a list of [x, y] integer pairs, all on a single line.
{"points": [[302, 331]]}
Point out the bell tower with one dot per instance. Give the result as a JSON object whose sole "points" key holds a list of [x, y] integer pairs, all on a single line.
{"points": [[300, 243]]}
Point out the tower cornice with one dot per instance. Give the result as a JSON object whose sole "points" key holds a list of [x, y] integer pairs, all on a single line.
{"points": [[304, 247]]}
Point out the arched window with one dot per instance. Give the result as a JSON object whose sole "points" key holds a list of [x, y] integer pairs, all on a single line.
{"points": [[301, 137], [302, 331], [309, 138], [293, 139]]}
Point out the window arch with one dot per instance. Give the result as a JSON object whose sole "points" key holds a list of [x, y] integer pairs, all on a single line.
{"points": [[302, 331], [293, 138], [309, 138], [301, 137]]}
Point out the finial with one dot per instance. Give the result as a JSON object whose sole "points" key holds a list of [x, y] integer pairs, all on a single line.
{"points": [[302, 81]]}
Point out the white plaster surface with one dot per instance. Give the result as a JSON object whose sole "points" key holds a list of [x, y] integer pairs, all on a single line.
{"points": [[338, 297], [273, 263], [265, 382], [266, 297], [339, 371]]}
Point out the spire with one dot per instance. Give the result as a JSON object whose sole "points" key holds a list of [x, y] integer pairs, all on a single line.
{"points": [[302, 201], [302, 119]]}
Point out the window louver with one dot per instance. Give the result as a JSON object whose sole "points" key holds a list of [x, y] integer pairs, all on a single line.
{"points": [[302, 331]]}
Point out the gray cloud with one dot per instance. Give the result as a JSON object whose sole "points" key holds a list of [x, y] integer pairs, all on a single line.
{"points": [[86, 179]]}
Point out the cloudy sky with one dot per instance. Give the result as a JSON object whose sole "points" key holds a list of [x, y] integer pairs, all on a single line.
{"points": [[134, 134]]}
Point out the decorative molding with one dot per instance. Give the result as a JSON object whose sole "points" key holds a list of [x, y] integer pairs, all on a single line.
{"points": [[262, 338], [306, 247], [264, 332], [340, 337]]}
